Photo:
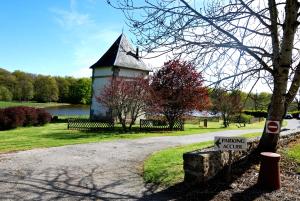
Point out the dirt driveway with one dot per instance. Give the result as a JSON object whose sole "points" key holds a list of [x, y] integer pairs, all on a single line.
{"points": [[95, 171]]}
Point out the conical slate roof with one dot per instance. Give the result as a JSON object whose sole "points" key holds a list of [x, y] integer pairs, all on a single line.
{"points": [[121, 54]]}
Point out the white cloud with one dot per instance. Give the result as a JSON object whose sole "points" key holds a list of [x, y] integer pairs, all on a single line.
{"points": [[85, 36], [71, 18]]}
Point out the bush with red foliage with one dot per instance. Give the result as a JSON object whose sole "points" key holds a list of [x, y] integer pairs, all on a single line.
{"points": [[43, 117], [14, 117], [31, 116]]}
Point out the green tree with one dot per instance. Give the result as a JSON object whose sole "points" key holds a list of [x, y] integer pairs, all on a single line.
{"points": [[246, 100], [24, 86], [80, 91], [45, 89], [264, 99], [63, 85], [227, 103], [5, 94], [7, 79]]}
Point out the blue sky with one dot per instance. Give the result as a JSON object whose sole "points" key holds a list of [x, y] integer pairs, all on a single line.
{"points": [[57, 37]]}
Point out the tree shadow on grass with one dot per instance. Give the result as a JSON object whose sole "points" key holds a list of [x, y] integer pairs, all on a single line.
{"points": [[78, 135]]}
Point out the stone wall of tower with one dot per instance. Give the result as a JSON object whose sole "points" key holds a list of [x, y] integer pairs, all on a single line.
{"points": [[101, 77]]}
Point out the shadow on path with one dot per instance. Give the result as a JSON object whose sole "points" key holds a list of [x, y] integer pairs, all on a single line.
{"points": [[58, 184], [212, 188], [79, 184]]}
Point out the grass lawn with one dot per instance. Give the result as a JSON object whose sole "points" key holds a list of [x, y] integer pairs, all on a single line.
{"points": [[166, 167], [293, 152], [4, 104], [56, 134], [213, 127]]}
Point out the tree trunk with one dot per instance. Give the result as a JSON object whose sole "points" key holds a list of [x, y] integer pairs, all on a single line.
{"points": [[171, 124], [225, 123], [123, 122], [282, 62], [276, 111]]}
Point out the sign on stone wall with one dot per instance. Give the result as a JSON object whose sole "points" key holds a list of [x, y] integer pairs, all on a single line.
{"points": [[230, 143]]}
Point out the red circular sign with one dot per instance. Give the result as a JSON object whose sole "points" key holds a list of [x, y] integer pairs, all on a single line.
{"points": [[272, 126]]}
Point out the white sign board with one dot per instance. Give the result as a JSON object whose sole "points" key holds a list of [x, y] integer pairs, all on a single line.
{"points": [[230, 143], [273, 127]]}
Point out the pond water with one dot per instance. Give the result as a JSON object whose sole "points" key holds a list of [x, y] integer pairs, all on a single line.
{"points": [[69, 110]]}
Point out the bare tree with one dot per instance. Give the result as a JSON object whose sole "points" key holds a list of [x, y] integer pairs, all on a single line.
{"points": [[126, 98], [232, 41], [227, 103]]}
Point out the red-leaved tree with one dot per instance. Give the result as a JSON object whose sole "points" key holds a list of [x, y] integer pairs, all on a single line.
{"points": [[177, 89], [126, 99]]}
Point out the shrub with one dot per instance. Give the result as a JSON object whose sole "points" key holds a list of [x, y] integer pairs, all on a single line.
{"points": [[256, 113], [2, 119], [295, 114], [31, 116], [14, 117], [242, 118], [54, 119], [43, 116]]}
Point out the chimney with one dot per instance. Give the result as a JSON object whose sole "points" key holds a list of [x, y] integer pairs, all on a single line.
{"points": [[137, 53]]}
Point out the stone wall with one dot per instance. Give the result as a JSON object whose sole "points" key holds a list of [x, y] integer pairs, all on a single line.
{"points": [[202, 165]]}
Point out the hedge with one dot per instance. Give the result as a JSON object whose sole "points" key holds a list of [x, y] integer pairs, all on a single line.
{"points": [[256, 113], [242, 118], [295, 114], [13, 117]]}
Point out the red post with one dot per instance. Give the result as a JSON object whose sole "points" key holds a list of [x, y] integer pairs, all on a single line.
{"points": [[269, 173]]}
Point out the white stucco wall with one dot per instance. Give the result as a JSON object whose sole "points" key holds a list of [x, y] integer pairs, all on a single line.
{"points": [[130, 73], [96, 108], [101, 78], [104, 71]]}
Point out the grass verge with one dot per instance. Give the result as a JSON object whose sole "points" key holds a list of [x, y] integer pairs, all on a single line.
{"points": [[4, 104], [293, 153], [57, 134], [165, 167]]}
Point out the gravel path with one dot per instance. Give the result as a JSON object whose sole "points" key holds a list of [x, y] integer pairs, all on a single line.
{"points": [[95, 171]]}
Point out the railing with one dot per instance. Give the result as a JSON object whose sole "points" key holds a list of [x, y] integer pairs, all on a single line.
{"points": [[154, 125], [89, 125]]}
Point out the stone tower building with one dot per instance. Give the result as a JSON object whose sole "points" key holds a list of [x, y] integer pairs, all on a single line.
{"points": [[120, 60]]}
